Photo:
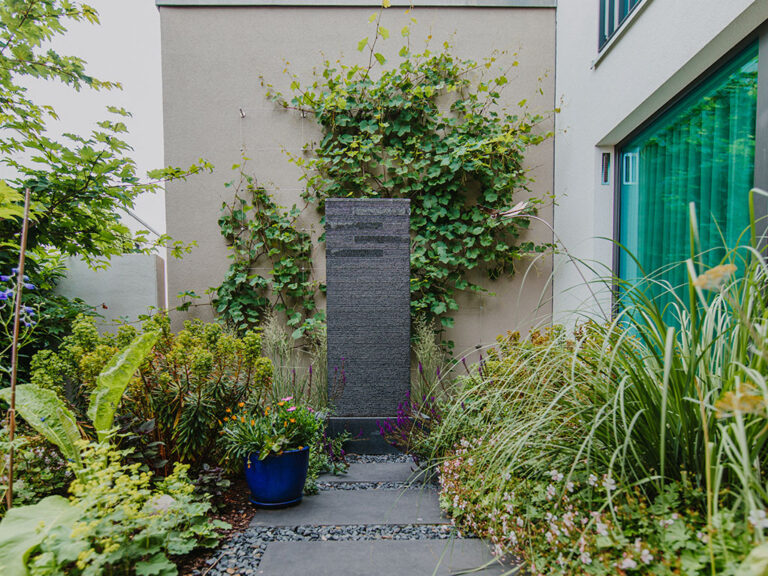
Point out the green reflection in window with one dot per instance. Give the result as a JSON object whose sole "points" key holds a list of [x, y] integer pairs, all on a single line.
{"points": [[701, 150]]}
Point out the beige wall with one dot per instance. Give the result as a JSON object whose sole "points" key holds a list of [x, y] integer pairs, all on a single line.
{"points": [[212, 60]]}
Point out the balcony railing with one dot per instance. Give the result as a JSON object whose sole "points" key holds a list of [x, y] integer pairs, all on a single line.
{"points": [[612, 16]]}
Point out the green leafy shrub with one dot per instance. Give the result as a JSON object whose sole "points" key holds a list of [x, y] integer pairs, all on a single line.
{"points": [[189, 381], [181, 391], [124, 524]]}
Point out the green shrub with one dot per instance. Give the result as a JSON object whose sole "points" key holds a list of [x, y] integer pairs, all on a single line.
{"points": [[173, 406], [124, 523]]}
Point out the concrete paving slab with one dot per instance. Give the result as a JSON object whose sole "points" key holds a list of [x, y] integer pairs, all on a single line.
{"points": [[378, 558], [340, 507], [375, 472]]}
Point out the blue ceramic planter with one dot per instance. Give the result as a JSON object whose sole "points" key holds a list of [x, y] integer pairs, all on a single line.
{"points": [[278, 480]]}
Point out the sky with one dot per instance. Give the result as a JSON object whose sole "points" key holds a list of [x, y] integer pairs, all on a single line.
{"points": [[125, 48]]}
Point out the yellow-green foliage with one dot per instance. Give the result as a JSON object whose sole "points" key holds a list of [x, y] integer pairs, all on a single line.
{"points": [[183, 386], [126, 524]]}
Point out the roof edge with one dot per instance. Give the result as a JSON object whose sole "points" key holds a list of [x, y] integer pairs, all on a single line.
{"points": [[364, 3]]}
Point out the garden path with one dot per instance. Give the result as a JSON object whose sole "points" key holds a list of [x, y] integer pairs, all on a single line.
{"points": [[378, 519]]}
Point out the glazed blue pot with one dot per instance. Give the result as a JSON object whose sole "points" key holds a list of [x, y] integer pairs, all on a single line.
{"points": [[278, 480]]}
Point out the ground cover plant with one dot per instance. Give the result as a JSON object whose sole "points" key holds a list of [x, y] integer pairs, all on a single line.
{"points": [[633, 446]]}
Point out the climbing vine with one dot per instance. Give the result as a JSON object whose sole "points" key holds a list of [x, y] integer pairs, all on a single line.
{"points": [[429, 128], [262, 235]]}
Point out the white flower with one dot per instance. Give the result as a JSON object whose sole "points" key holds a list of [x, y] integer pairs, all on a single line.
{"points": [[555, 475], [758, 519], [646, 556], [592, 480], [601, 529], [506, 476], [702, 536], [628, 564], [551, 491], [665, 523], [585, 558], [569, 486], [550, 537], [609, 483], [520, 522]]}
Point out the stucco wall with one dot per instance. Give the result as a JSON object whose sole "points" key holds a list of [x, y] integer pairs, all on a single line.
{"points": [[212, 60], [129, 287], [666, 47]]}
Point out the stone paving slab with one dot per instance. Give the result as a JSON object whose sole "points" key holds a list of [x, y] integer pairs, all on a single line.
{"points": [[339, 507], [379, 558], [374, 472]]}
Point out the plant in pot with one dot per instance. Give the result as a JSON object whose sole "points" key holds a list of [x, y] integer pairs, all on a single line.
{"points": [[273, 442]]}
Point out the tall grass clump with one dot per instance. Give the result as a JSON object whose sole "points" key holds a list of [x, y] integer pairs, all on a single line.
{"points": [[633, 446], [298, 371]]}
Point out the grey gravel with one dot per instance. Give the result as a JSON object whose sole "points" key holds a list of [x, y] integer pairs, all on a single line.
{"points": [[243, 552], [370, 458], [367, 485]]}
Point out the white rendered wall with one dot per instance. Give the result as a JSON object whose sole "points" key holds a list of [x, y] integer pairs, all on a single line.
{"points": [[124, 48], [667, 46], [132, 285]]}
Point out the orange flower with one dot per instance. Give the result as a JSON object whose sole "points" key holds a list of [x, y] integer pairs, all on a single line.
{"points": [[226, 418], [285, 424], [242, 418], [228, 410], [280, 403], [241, 404], [293, 420], [301, 447]]}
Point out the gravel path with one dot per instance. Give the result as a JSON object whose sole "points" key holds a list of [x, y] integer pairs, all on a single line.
{"points": [[242, 553]]}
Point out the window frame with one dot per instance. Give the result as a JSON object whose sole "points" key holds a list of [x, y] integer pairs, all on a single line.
{"points": [[610, 6], [760, 178]]}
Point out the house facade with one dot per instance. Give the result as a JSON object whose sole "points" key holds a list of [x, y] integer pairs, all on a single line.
{"points": [[661, 104], [658, 105]]}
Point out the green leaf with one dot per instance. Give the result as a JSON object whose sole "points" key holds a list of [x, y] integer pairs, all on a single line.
{"points": [[112, 381], [756, 563], [158, 565], [362, 44], [48, 415], [24, 527], [380, 58], [384, 32]]}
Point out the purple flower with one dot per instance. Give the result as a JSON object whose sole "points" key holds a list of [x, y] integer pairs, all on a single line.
{"points": [[421, 368], [4, 278], [3, 295], [286, 399], [29, 286], [292, 408]]}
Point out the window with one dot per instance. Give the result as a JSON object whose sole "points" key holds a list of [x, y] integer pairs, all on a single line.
{"points": [[701, 150], [612, 16]]}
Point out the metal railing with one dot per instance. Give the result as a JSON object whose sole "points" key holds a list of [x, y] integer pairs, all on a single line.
{"points": [[612, 16]]}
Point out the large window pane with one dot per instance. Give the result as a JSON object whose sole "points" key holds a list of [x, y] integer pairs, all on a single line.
{"points": [[702, 151]]}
